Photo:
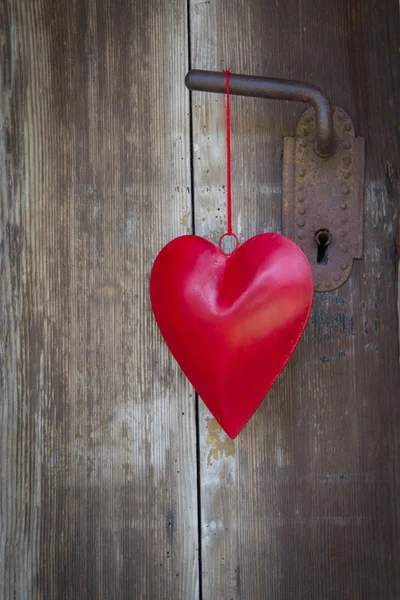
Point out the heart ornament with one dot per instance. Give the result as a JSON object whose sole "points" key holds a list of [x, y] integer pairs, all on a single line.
{"points": [[232, 321]]}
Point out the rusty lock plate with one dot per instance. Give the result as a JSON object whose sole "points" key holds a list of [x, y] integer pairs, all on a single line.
{"points": [[322, 207]]}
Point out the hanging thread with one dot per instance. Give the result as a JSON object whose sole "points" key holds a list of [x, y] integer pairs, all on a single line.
{"points": [[228, 171], [228, 155]]}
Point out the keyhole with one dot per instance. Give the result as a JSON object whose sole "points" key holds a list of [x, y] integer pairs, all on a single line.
{"points": [[322, 238]]}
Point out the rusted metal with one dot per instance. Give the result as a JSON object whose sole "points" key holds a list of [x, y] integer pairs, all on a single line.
{"points": [[325, 194], [276, 89]]}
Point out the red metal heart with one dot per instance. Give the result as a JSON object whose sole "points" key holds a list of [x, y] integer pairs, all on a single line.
{"points": [[232, 321]]}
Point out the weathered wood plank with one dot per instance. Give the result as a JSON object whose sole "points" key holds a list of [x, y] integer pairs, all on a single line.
{"points": [[97, 431], [304, 504], [398, 281]]}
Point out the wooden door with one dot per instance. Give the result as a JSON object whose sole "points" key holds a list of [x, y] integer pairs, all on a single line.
{"points": [[115, 481]]}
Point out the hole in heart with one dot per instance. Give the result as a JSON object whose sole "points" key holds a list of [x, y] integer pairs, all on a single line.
{"points": [[322, 238], [228, 243]]}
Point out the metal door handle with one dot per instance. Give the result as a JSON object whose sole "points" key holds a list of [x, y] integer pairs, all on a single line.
{"points": [[323, 173], [275, 89]]}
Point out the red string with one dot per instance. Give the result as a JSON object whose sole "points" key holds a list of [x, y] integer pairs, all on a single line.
{"points": [[228, 155]]}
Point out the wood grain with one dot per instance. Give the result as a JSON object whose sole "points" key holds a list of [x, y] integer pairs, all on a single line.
{"points": [[97, 433], [398, 281], [305, 503]]}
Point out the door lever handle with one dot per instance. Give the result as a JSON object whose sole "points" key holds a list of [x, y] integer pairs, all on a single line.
{"points": [[275, 89]]}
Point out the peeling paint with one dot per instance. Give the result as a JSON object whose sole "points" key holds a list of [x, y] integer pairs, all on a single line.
{"points": [[219, 443], [331, 326]]}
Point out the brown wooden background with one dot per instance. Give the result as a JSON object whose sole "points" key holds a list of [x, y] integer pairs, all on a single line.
{"points": [[115, 482]]}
